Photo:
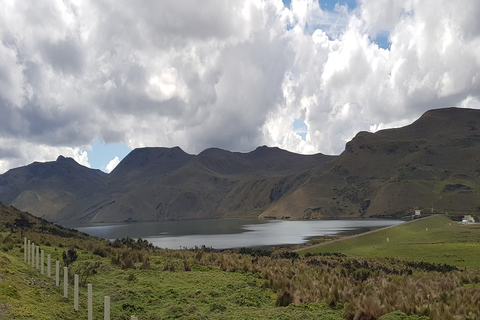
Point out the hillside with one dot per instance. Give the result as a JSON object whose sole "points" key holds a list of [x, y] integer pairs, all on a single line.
{"points": [[431, 163], [46, 188], [434, 162], [159, 184], [435, 239], [154, 283]]}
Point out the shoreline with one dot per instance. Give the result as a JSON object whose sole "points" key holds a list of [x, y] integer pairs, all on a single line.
{"points": [[357, 235]]}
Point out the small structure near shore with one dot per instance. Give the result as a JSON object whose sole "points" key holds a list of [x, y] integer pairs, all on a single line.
{"points": [[468, 219]]}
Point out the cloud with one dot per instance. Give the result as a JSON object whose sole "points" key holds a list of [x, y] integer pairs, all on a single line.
{"points": [[228, 75], [348, 84], [14, 156], [112, 164]]}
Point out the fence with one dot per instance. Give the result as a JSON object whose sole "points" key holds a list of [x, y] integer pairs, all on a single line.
{"points": [[35, 257]]}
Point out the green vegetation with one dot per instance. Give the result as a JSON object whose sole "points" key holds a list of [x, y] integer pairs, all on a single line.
{"points": [[155, 283], [445, 242]]}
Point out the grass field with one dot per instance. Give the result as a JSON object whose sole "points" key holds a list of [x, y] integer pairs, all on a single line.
{"points": [[444, 242], [375, 281], [203, 292]]}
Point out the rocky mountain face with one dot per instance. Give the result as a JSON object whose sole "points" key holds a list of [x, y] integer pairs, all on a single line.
{"points": [[434, 162]]}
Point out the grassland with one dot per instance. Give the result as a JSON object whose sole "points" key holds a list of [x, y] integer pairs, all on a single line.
{"points": [[202, 284], [202, 293], [445, 242]]}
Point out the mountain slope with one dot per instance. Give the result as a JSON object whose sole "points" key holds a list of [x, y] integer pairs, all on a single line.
{"points": [[434, 162], [162, 183], [46, 188]]}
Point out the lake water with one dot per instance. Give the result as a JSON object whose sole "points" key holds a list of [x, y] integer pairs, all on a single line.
{"points": [[230, 233]]}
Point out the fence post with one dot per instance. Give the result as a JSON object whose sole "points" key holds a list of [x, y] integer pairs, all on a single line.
{"points": [[57, 273], [134, 318], [89, 302], [37, 251], [28, 252], [25, 249], [49, 258], [107, 308], [42, 257], [75, 293], [33, 255], [65, 282]]}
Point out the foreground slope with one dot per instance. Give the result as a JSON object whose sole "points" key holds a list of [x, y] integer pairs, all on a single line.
{"points": [[202, 284]]}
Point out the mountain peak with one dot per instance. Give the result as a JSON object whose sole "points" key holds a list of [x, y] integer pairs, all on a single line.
{"points": [[64, 159]]}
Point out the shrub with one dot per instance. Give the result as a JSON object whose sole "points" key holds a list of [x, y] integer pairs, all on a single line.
{"points": [[186, 267], [69, 257], [7, 247], [255, 252], [362, 274], [169, 267], [128, 263], [99, 252], [86, 270], [289, 255], [145, 263], [284, 299]]}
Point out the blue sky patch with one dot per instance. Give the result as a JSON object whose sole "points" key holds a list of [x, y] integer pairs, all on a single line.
{"points": [[101, 154], [300, 128], [382, 40], [329, 5]]}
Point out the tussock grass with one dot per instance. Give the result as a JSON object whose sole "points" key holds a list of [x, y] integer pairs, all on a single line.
{"points": [[203, 284]]}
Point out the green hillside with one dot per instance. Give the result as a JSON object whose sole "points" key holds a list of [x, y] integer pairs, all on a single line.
{"points": [[199, 283], [445, 242]]}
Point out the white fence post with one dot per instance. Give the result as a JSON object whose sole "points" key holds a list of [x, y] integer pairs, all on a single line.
{"points": [[65, 282], [107, 308], [49, 258], [89, 302], [25, 249], [133, 318], [37, 252], [57, 273], [28, 252], [33, 255], [75, 293], [42, 257]]}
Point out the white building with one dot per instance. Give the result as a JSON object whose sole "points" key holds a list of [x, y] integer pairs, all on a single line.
{"points": [[468, 219]]}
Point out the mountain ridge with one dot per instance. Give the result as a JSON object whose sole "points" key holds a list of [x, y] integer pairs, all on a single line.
{"points": [[431, 162]]}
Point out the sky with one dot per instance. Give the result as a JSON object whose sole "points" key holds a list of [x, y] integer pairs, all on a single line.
{"points": [[93, 80]]}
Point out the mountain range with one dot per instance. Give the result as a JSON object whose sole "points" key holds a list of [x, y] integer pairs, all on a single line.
{"points": [[432, 164]]}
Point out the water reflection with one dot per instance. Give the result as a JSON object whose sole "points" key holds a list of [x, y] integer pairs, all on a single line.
{"points": [[230, 233]]}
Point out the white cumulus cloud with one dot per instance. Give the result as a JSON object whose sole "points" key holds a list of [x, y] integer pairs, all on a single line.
{"points": [[112, 164], [233, 75]]}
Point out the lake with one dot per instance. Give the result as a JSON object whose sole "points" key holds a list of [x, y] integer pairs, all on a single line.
{"points": [[231, 233]]}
